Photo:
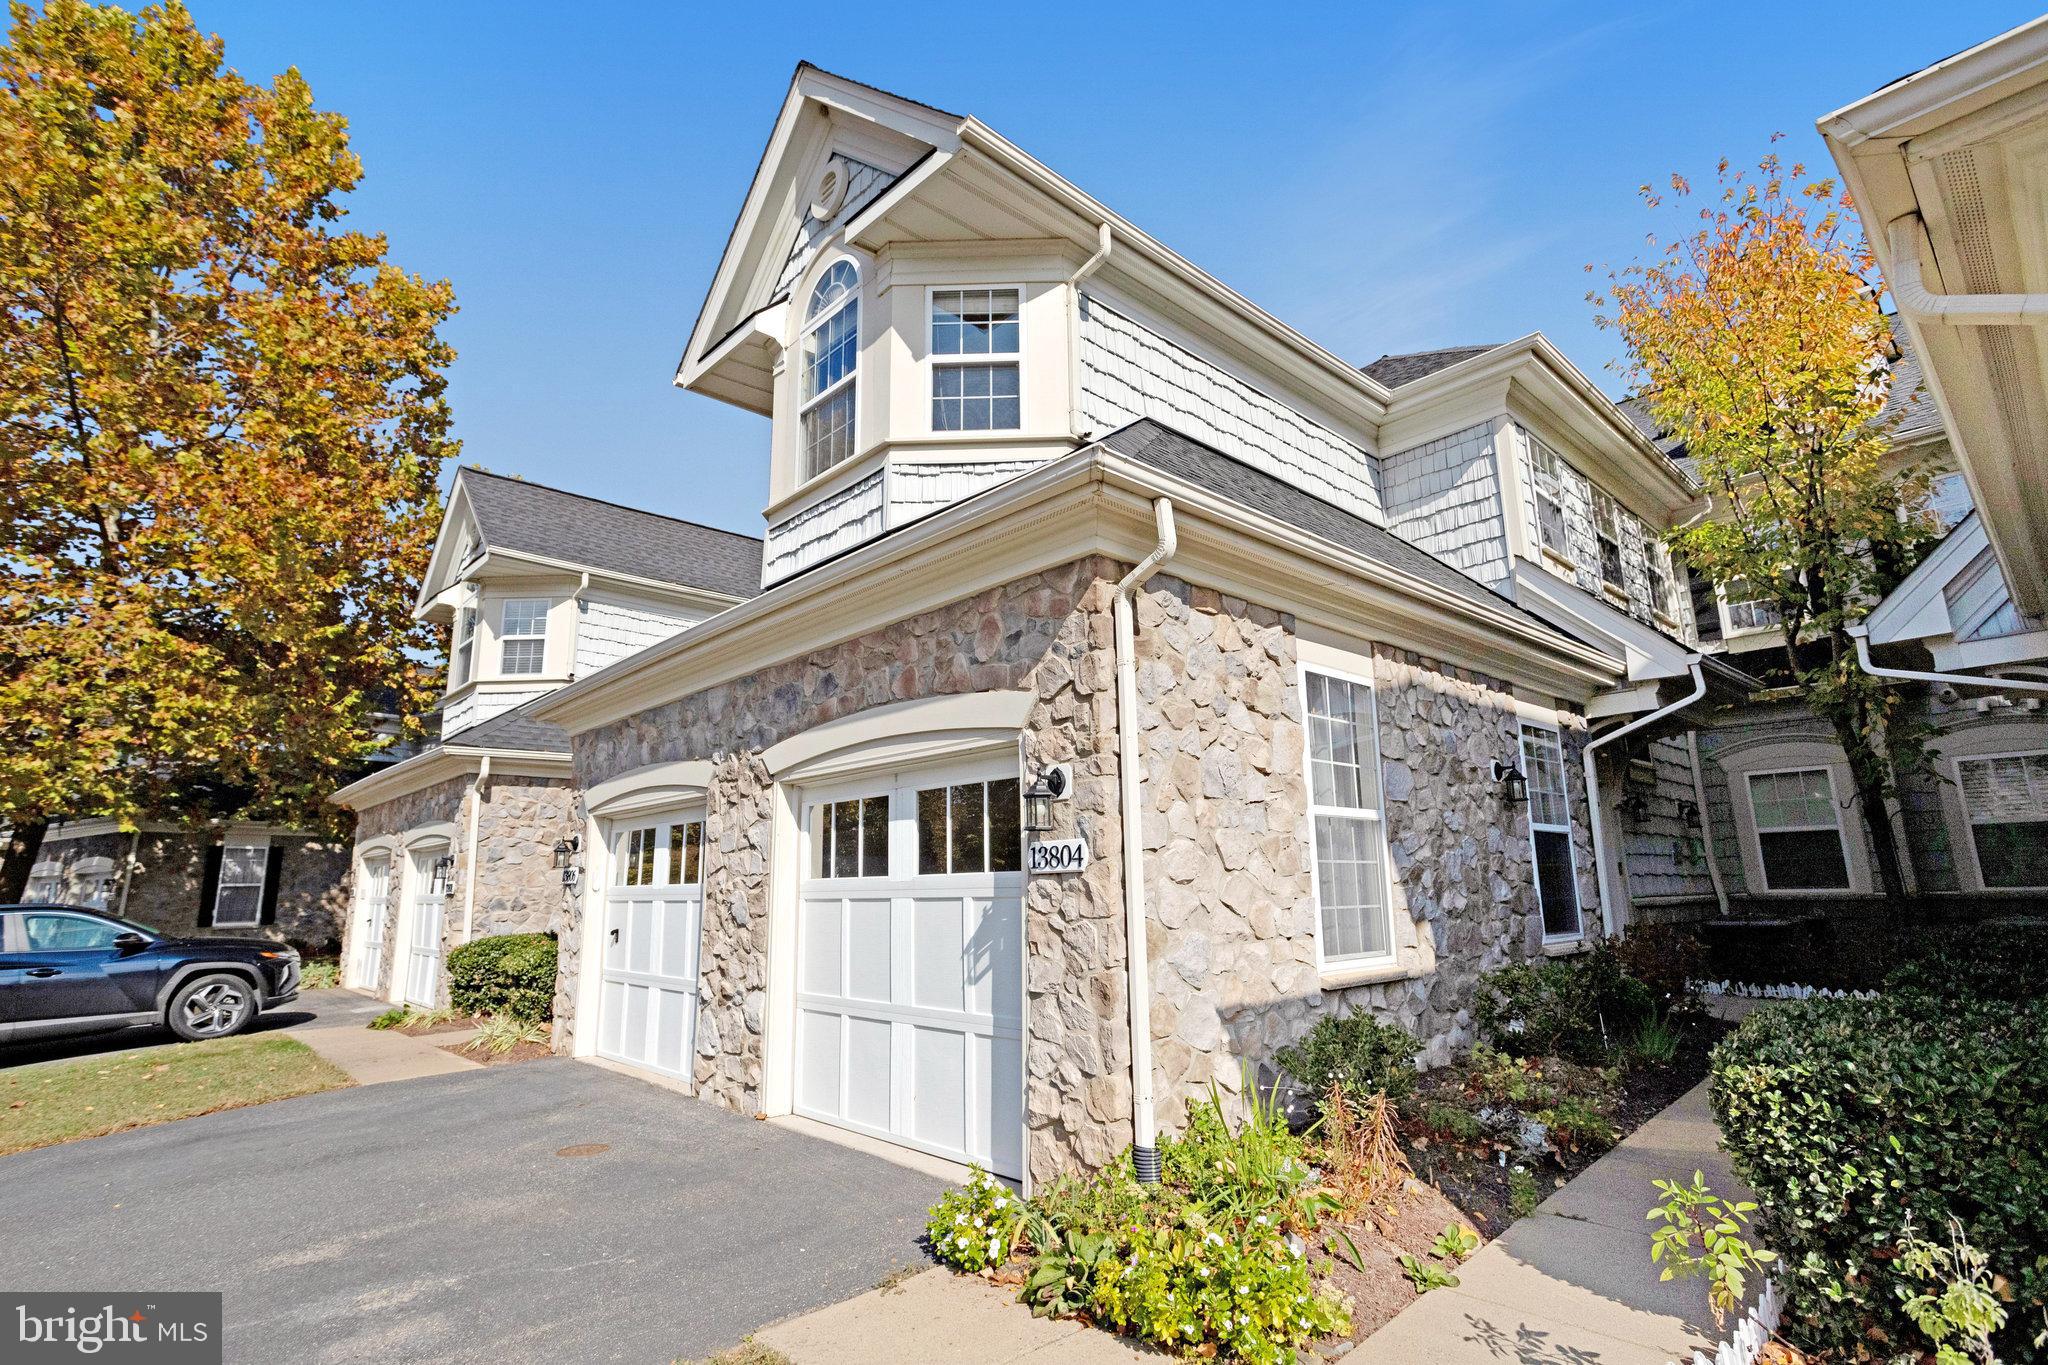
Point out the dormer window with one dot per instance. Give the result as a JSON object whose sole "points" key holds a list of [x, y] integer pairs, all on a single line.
{"points": [[523, 636], [976, 348], [465, 647], [831, 350]]}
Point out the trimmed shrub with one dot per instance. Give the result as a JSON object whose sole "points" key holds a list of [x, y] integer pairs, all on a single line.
{"points": [[1851, 1117], [510, 974], [2001, 962], [1577, 1008], [1668, 959], [1356, 1051]]}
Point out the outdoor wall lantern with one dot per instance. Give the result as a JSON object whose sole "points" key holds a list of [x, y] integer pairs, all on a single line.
{"points": [[565, 853], [1514, 788], [1051, 785], [444, 864]]}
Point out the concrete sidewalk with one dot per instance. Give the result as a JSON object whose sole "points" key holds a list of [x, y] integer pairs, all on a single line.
{"points": [[1572, 1284]]}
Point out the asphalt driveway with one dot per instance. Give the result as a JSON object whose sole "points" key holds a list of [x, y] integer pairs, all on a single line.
{"points": [[436, 1219]]}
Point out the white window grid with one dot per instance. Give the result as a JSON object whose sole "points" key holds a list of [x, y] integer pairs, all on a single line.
{"points": [[1607, 531], [2003, 789], [238, 899], [1742, 610], [1657, 562], [1795, 801], [1550, 812], [977, 352], [1347, 840], [465, 646], [830, 361], [523, 636], [1548, 468]]}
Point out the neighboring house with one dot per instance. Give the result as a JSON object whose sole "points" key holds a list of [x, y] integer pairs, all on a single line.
{"points": [[537, 587]]}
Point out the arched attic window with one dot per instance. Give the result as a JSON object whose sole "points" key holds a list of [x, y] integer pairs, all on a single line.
{"points": [[831, 350]]}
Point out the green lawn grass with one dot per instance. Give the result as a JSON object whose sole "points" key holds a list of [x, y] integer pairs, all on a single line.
{"points": [[65, 1101]]}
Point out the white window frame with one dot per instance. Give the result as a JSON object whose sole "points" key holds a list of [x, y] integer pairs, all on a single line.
{"points": [[1657, 563], [1757, 831], [462, 654], [1969, 825], [260, 845], [507, 638], [46, 882], [1578, 931], [1539, 449], [1377, 817], [1607, 529], [847, 383], [937, 362], [1726, 604]]}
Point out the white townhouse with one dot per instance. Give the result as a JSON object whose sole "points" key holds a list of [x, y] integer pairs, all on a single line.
{"points": [[1122, 682]]}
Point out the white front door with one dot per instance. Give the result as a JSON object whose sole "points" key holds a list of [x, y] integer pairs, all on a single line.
{"points": [[653, 919], [423, 946], [373, 907], [910, 961]]}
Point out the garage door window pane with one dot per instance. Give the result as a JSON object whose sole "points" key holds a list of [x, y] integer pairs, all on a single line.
{"points": [[1005, 833], [685, 849], [968, 845], [852, 837], [874, 837], [846, 839], [931, 832]]}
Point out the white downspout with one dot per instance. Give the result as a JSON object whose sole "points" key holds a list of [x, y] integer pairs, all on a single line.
{"points": [[1074, 283], [1130, 793], [1699, 795], [476, 801], [1607, 906], [1861, 632], [576, 604], [1913, 296]]}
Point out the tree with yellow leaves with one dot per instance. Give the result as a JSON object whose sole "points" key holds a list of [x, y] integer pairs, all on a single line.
{"points": [[1756, 342], [222, 424]]}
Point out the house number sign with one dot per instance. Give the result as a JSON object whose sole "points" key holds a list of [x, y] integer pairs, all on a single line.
{"points": [[1053, 857]]}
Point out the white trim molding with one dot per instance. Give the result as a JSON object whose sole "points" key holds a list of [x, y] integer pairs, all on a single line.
{"points": [[1796, 755], [901, 732], [657, 786], [2007, 739]]}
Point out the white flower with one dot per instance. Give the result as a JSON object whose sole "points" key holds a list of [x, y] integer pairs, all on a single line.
{"points": [[1260, 1220], [960, 1220]]}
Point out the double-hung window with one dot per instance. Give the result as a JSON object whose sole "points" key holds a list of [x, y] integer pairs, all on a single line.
{"points": [[1550, 831], [2006, 800], [239, 898], [1607, 530], [831, 353], [1799, 830], [523, 636], [1548, 468], [976, 353], [1657, 559], [465, 647], [1345, 810], [1742, 609]]}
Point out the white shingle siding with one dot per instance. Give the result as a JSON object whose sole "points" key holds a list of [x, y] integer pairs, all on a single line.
{"points": [[479, 706], [848, 517], [1665, 854], [607, 630], [1444, 497], [1129, 372], [863, 183], [918, 489]]}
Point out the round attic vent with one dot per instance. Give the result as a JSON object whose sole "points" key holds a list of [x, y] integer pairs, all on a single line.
{"points": [[830, 192]]}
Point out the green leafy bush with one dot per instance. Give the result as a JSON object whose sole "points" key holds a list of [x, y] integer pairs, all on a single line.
{"points": [[511, 974], [2000, 965], [1575, 1104], [973, 1228], [1573, 1007], [1851, 1119], [1357, 1052], [320, 974]]}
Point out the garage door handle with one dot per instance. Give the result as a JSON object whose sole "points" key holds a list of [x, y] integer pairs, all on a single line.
{"points": [[615, 936], [45, 971]]}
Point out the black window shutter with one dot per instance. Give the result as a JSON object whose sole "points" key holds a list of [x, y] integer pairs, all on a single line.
{"points": [[271, 877], [209, 886]]}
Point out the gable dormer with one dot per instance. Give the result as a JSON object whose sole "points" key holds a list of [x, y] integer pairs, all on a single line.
{"points": [[538, 587]]}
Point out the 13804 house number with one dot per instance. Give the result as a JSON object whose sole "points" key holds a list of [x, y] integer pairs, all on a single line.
{"points": [[1055, 856]]}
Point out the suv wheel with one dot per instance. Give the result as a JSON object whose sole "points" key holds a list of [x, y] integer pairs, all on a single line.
{"points": [[212, 1006]]}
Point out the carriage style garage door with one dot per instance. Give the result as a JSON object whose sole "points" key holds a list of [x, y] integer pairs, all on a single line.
{"points": [[909, 970], [429, 881], [654, 914]]}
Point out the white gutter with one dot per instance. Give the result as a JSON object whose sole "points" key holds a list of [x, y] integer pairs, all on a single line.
{"points": [[1861, 632], [1607, 902], [1699, 795], [1130, 784], [476, 801], [1074, 282], [1913, 296]]}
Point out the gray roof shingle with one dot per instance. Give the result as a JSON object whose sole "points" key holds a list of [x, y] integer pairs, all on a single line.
{"points": [[513, 730], [512, 514], [1162, 448], [1406, 368]]}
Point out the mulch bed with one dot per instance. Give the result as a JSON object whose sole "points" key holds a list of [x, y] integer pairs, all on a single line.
{"points": [[519, 1052], [1384, 1289], [1475, 1178], [458, 1025]]}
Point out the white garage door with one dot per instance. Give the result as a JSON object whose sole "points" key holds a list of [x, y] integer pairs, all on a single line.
{"points": [[431, 869], [653, 919], [909, 971]]}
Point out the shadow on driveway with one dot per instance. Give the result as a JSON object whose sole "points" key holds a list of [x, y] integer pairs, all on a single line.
{"points": [[434, 1219]]}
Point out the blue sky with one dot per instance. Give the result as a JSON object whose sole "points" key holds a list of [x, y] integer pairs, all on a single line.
{"points": [[1385, 178]]}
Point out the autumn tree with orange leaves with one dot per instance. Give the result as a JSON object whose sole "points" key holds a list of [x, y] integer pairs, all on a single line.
{"points": [[1755, 340], [222, 424]]}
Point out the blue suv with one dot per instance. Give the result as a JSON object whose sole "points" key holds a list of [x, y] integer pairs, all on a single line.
{"points": [[67, 970]]}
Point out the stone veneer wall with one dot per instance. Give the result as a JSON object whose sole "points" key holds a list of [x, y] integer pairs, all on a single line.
{"points": [[1048, 633], [169, 871], [1231, 907]]}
